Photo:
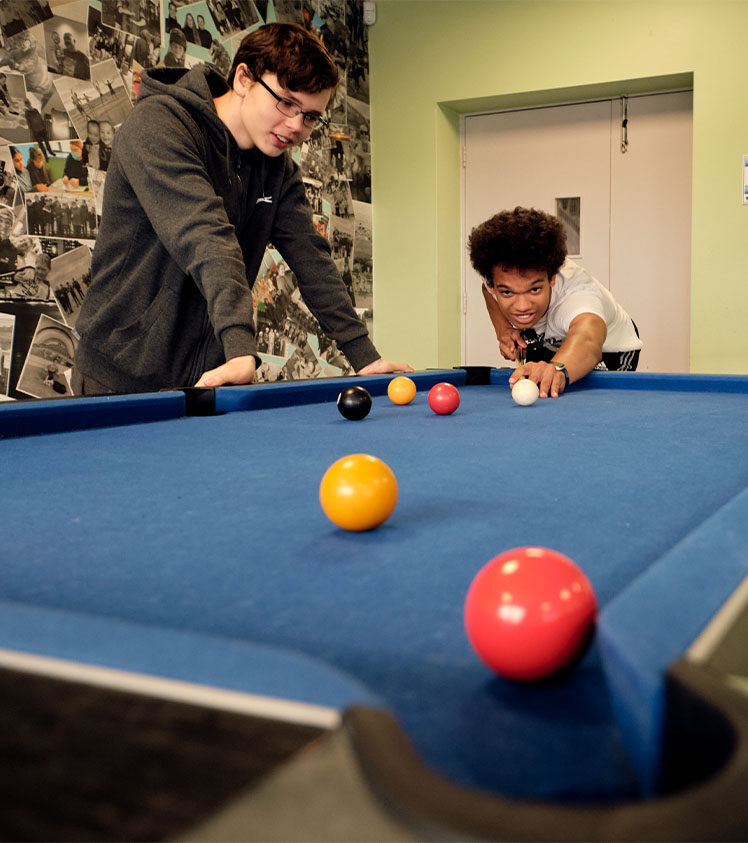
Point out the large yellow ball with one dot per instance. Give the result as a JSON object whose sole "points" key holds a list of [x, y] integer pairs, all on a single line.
{"points": [[358, 492]]}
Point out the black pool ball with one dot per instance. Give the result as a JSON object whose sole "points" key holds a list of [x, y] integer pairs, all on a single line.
{"points": [[354, 403]]}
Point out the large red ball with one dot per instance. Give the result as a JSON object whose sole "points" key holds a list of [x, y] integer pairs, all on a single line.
{"points": [[529, 613], [444, 398]]}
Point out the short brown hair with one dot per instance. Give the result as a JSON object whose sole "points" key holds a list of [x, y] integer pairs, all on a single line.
{"points": [[297, 57], [522, 239]]}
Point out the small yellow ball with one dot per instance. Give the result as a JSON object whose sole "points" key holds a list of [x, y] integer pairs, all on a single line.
{"points": [[401, 390]]}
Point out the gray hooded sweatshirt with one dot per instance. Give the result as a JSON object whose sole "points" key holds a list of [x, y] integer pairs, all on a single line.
{"points": [[186, 219]]}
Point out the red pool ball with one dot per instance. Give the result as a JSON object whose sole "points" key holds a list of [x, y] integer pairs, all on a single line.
{"points": [[444, 398], [529, 613]]}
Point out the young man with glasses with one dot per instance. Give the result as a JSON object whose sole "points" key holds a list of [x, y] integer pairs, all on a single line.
{"points": [[197, 186]]}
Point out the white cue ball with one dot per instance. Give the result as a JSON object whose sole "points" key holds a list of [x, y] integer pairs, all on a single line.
{"points": [[525, 392]]}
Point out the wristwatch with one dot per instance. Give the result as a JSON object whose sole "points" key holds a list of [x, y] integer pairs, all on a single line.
{"points": [[559, 367]]}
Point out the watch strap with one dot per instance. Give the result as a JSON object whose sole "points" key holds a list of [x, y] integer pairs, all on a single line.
{"points": [[560, 367]]}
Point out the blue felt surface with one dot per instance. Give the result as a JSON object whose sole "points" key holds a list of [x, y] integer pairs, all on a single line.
{"points": [[179, 655], [214, 526]]}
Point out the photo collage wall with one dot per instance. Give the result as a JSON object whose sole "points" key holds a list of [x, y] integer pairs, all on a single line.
{"points": [[69, 76]]}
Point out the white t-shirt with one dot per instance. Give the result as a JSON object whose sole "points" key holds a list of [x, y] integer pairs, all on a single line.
{"points": [[575, 292]]}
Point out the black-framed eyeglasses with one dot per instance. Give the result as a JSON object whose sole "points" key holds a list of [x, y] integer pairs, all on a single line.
{"points": [[290, 109]]}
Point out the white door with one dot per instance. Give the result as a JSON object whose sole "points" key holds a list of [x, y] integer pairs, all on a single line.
{"points": [[634, 207], [650, 221]]}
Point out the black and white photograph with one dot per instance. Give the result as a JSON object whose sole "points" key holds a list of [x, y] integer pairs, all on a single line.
{"points": [[123, 48], [46, 372], [62, 215], [334, 361], [341, 240], [359, 150], [7, 178], [38, 126], [28, 283], [302, 364], [199, 28], [69, 277], [12, 100], [7, 325], [312, 158], [16, 16], [357, 34], [313, 191], [220, 57], [361, 263], [328, 22], [66, 47], [97, 179], [113, 102], [13, 125], [25, 55], [144, 53], [357, 62], [339, 191], [286, 328], [363, 285], [337, 109], [17, 250], [232, 16], [46, 124], [103, 99], [130, 16], [270, 340]]}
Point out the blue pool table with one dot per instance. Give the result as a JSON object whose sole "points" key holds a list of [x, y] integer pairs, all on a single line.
{"points": [[173, 546]]}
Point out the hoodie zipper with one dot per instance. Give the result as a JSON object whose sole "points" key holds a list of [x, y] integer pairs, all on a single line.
{"points": [[198, 367], [234, 170]]}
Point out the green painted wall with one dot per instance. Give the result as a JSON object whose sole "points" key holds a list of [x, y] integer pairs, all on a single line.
{"points": [[433, 60]]}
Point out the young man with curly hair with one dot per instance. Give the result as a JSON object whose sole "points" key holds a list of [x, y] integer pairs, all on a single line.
{"points": [[198, 184], [549, 314]]}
